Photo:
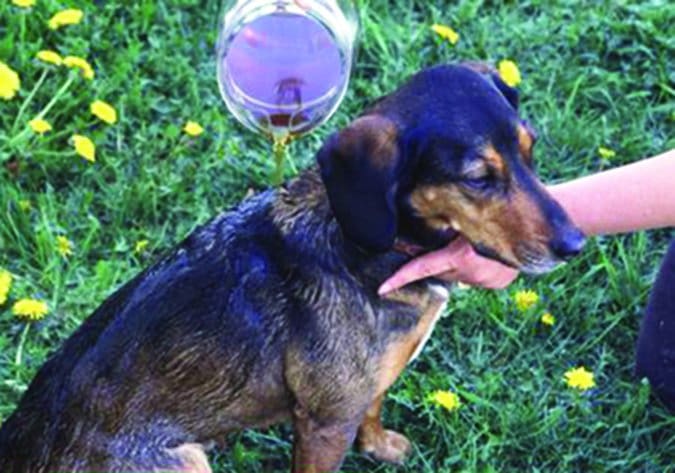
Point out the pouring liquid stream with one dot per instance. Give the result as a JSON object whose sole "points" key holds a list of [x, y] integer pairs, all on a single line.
{"points": [[282, 74]]}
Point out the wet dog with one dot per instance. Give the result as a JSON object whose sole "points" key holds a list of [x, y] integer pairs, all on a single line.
{"points": [[270, 312]]}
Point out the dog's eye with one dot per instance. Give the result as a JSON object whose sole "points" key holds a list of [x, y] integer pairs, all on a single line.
{"points": [[479, 184], [477, 175]]}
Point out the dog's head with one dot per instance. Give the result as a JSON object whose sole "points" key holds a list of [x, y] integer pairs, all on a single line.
{"points": [[447, 153]]}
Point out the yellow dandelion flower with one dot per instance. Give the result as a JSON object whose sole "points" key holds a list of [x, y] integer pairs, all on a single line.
{"points": [[84, 147], [579, 378], [104, 111], [5, 285], [606, 153], [140, 247], [446, 399], [525, 299], [547, 319], [25, 205], [10, 83], [64, 246], [23, 3], [446, 32], [29, 309], [81, 64], [39, 126], [193, 128], [71, 16], [508, 71], [51, 57]]}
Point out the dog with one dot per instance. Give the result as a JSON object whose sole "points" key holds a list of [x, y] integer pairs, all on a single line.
{"points": [[270, 311]]}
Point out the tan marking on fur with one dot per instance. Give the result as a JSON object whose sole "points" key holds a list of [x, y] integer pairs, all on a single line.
{"points": [[494, 159], [371, 426], [430, 194], [502, 224], [192, 457], [443, 294], [373, 438], [400, 352], [525, 143]]}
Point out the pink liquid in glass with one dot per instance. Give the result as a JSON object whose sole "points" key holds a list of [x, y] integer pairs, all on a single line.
{"points": [[282, 73]]}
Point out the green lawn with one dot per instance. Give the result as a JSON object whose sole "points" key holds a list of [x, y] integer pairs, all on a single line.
{"points": [[594, 74]]}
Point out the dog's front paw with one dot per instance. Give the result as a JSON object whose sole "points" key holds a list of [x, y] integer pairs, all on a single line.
{"points": [[387, 446]]}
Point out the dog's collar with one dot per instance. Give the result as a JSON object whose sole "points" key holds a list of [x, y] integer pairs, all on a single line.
{"points": [[413, 249], [407, 248]]}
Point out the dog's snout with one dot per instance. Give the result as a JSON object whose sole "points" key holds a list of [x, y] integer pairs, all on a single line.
{"points": [[568, 243]]}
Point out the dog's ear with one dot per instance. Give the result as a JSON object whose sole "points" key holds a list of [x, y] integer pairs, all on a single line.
{"points": [[360, 167], [492, 75]]}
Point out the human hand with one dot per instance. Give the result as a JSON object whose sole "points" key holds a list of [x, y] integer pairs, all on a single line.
{"points": [[456, 262]]}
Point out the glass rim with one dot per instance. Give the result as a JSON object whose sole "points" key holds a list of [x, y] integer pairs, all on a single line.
{"points": [[329, 13]]}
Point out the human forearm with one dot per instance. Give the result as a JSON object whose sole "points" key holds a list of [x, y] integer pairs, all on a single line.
{"points": [[634, 197]]}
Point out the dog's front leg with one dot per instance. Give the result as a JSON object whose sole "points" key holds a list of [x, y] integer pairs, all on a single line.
{"points": [[319, 446], [385, 445]]}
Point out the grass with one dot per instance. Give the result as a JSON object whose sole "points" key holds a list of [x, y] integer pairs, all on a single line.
{"points": [[595, 74]]}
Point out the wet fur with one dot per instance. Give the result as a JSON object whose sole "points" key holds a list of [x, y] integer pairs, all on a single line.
{"points": [[250, 317]]}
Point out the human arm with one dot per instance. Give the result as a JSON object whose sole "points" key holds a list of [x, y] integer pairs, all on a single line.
{"points": [[633, 197]]}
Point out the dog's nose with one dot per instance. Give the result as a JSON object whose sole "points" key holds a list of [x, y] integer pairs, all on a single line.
{"points": [[568, 243]]}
